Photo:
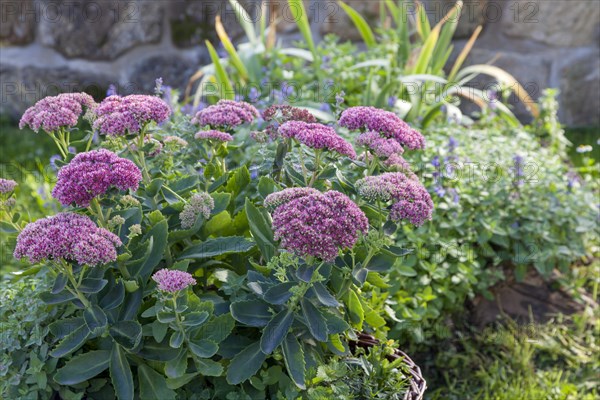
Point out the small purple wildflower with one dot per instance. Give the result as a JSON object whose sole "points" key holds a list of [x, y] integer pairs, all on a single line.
{"points": [[452, 144], [226, 114], [67, 236], [55, 112], [392, 101], [436, 161], [7, 186], [92, 174], [172, 280], [111, 91], [339, 98], [214, 135], [119, 116], [319, 224], [317, 136]]}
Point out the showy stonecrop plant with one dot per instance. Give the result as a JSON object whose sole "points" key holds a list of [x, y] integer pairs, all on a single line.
{"points": [[178, 267]]}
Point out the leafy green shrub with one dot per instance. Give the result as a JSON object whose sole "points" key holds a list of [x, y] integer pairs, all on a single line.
{"points": [[177, 269], [504, 204]]}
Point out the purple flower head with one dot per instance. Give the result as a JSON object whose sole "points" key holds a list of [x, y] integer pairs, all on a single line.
{"points": [[226, 114], [319, 224], [199, 204], [7, 186], [67, 236], [380, 146], [317, 136], [92, 174], [384, 122], [276, 199], [339, 98], [440, 191], [410, 199], [175, 141], [436, 161], [118, 116], [55, 112], [214, 135], [172, 280]]}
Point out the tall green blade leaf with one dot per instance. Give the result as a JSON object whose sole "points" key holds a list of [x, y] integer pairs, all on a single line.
{"points": [[220, 74], [361, 24], [261, 231], [234, 57], [301, 17], [244, 20]]}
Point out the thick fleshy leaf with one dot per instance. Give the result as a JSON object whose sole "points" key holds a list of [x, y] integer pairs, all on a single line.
{"points": [[94, 318], [261, 230], [276, 330], [154, 351], [153, 386], [355, 309], [203, 348], [217, 329], [217, 247], [176, 339], [113, 297], [251, 312], [245, 364], [279, 293], [126, 333], [58, 298], [176, 367], [324, 296], [120, 374], [92, 285], [317, 325], [195, 318], [64, 327], [208, 367], [294, 360], [83, 367], [59, 283], [71, 342]]}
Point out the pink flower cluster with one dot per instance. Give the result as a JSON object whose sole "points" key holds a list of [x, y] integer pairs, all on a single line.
{"points": [[411, 201], [199, 204], [92, 174], [317, 136], [118, 116], [172, 280], [67, 236], [226, 114], [317, 224], [7, 185], [279, 114], [380, 146], [55, 112], [214, 135], [386, 123]]}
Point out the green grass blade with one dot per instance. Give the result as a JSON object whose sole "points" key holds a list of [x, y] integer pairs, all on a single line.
{"points": [[304, 25], [423, 26], [426, 52], [244, 20], [234, 57], [361, 24], [220, 74]]}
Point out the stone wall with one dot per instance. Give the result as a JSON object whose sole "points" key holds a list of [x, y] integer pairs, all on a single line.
{"points": [[47, 46]]}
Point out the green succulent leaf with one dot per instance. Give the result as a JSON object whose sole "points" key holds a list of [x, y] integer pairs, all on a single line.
{"points": [[83, 367], [275, 331], [245, 364]]}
